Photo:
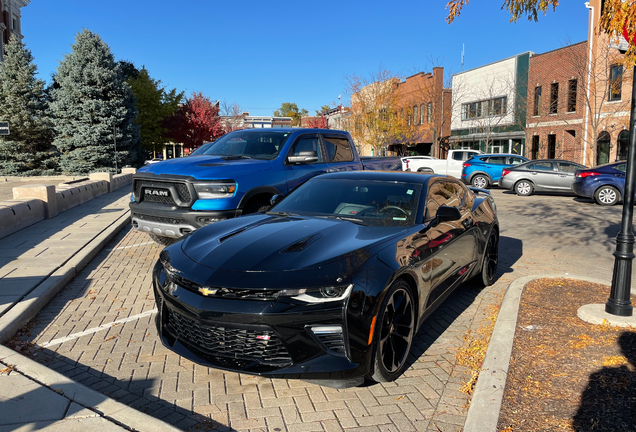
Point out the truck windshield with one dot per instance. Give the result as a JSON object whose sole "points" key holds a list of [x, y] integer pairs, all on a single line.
{"points": [[374, 203], [246, 145]]}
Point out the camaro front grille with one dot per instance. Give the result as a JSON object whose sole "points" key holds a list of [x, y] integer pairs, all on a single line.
{"points": [[228, 293], [263, 346]]}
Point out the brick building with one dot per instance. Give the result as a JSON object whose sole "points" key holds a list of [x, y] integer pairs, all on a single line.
{"points": [[556, 104], [10, 21], [610, 88], [427, 105]]}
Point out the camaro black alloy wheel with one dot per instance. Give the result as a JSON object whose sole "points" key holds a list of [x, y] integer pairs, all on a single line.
{"points": [[395, 328], [491, 260]]}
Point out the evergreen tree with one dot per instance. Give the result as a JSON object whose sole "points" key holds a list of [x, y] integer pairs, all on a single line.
{"points": [[93, 109], [154, 105], [27, 150]]}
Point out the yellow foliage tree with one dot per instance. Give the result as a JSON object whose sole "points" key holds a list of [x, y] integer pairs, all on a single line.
{"points": [[617, 16]]}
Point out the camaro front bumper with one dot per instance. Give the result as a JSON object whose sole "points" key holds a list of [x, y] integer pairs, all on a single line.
{"points": [[257, 336]]}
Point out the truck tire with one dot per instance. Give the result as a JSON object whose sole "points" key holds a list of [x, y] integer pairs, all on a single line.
{"points": [[164, 241], [256, 205]]}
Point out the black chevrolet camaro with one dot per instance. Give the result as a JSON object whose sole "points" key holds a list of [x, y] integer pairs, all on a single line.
{"points": [[332, 282]]}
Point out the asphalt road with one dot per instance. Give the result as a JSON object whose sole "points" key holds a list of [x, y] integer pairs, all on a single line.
{"points": [[539, 235]]}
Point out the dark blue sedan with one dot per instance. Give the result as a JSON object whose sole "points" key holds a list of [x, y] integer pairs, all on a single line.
{"points": [[605, 183]]}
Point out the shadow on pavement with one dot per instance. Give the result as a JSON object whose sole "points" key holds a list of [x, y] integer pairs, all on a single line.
{"points": [[608, 402]]}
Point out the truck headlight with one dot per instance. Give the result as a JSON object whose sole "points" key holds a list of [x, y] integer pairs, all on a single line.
{"points": [[318, 295], [211, 190]]}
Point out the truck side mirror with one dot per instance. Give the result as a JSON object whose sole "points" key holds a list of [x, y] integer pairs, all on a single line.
{"points": [[304, 157], [275, 200]]}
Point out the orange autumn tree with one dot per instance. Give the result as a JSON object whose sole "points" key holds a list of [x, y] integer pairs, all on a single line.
{"points": [[618, 15]]}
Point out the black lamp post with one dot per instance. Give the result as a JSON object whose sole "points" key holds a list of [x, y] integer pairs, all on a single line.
{"points": [[619, 302]]}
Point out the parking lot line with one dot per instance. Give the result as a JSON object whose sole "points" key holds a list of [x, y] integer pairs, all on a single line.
{"points": [[97, 329], [128, 247]]}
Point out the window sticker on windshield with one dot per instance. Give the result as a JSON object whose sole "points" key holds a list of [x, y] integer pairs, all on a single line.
{"points": [[409, 192]]}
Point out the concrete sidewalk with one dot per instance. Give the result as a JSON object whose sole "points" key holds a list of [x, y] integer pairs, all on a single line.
{"points": [[35, 263]]}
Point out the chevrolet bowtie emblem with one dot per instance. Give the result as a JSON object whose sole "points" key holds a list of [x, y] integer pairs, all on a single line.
{"points": [[207, 291]]}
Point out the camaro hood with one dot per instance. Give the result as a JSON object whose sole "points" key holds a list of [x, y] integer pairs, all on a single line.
{"points": [[263, 243], [201, 167]]}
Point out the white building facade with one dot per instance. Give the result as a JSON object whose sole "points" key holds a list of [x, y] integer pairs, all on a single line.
{"points": [[10, 21], [489, 106]]}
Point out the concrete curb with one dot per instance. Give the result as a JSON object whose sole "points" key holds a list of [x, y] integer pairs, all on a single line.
{"points": [[483, 413], [104, 406], [20, 314]]}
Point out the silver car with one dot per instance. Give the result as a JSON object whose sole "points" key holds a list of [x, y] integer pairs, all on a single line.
{"points": [[543, 175]]}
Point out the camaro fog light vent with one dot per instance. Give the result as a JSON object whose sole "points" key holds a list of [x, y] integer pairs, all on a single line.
{"points": [[332, 337]]}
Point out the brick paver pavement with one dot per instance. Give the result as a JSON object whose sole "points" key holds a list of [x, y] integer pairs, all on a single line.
{"points": [[127, 362]]}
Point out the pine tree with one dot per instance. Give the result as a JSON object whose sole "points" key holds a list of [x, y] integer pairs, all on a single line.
{"points": [[93, 109], [27, 150]]}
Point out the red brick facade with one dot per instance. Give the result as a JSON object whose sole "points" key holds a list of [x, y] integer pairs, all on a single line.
{"points": [[556, 104]]}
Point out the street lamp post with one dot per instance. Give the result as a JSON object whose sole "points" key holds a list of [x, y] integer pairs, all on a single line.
{"points": [[115, 142], [619, 302]]}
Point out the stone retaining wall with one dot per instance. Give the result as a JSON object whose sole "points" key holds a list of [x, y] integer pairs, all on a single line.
{"points": [[33, 203]]}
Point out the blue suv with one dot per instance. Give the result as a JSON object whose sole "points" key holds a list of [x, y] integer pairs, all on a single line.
{"points": [[485, 170]]}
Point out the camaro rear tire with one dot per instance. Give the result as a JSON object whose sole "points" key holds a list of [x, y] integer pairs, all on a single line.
{"points": [[491, 260], [524, 188], [164, 241], [480, 181], [607, 196], [394, 332]]}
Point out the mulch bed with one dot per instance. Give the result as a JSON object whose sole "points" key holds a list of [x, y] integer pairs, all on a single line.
{"points": [[566, 374]]}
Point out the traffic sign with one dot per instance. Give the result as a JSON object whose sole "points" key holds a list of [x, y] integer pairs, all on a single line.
{"points": [[4, 128]]}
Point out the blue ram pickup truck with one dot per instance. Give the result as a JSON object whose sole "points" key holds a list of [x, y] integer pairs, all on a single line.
{"points": [[238, 174]]}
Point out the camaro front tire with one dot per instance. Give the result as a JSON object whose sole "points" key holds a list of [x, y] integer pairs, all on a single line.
{"points": [[607, 196], [490, 262], [394, 332]]}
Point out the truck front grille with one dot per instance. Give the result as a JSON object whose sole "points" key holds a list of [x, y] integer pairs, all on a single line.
{"points": [[183, 193], [159, 219], [261, 345]]}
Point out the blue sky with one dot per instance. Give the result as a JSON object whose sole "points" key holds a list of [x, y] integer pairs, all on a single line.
{"points": [[261, 54]]}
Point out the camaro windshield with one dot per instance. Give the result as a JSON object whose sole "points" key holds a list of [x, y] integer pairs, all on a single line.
{"points": [[246, 145], [379, 203]]}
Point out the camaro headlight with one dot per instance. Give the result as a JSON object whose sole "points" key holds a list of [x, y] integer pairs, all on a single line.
{"points": [[318, 295], [211, 190]]}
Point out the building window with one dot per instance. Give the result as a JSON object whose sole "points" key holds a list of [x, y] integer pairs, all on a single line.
{"points": [[572, 84], [535, 147], [422, 114], [615, 82], [554, 98], [429, 112], [551, 146], [415, 117], [498, 106], [537, 101]]}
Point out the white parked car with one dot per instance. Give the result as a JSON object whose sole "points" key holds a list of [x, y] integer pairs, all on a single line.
{"points": [[412, 163], [451, 166], [151, 161]]}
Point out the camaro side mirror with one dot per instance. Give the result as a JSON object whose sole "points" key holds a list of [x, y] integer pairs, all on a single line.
{"points": [[446, 213], [304, 157]]}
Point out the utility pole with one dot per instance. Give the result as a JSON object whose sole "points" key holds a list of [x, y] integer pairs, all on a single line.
{"points": [[115, 142]]}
